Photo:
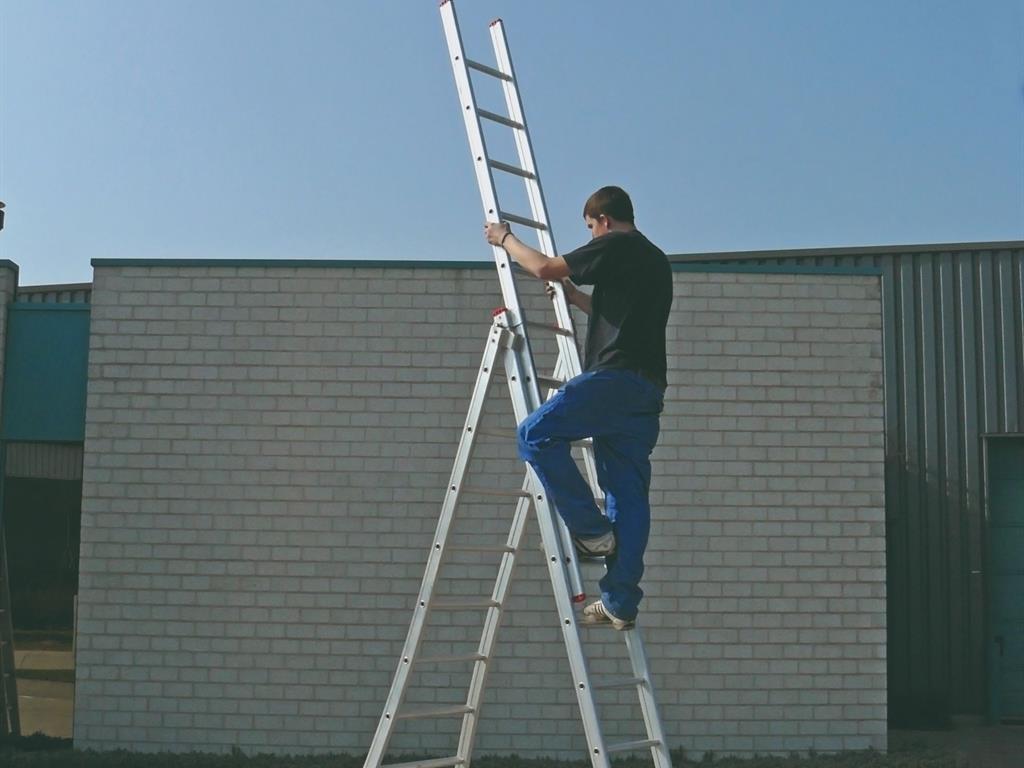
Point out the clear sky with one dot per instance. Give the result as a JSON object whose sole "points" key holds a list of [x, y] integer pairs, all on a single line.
{"points": [[330, 129]]}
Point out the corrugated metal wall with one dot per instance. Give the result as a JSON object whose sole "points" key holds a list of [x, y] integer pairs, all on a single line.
{"points": [[44, 461], [954, 335]]}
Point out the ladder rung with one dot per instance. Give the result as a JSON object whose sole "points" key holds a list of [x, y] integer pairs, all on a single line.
{"points": [[553, 328], [494, 548], [629, 746], [439, 762], [488, 70], [464, 605], [626, 682], [584, 443], [494, 117], [509, 435], [420, 714], [521, 220], [550, 381], [450, 659], [515, 170], [496, 492]]}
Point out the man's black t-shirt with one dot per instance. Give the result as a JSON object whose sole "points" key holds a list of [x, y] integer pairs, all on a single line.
{"points": [[631, 300]]}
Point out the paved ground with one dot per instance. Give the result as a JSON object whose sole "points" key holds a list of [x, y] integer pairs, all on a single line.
{"points": [[44, 705], [47, 706]]}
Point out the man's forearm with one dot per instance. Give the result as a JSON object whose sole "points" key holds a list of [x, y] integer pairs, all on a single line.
{"points": [[526, 257]]}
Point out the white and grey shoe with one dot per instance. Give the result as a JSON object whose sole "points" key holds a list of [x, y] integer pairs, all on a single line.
{"points": [[597, 547], [596, 613]]}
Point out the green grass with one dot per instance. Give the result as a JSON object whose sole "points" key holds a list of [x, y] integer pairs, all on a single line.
{"points": [[45, 752]]}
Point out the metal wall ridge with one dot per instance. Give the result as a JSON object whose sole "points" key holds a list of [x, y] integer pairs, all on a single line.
{"points": [[848, 251], [61, 293]]}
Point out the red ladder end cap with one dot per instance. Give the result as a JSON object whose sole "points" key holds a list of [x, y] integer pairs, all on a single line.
{"points": [[496, 21], [579, 598], [498, 311]]}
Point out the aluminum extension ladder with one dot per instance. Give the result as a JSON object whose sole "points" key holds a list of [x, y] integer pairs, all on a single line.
{"points": [[508, 346]]}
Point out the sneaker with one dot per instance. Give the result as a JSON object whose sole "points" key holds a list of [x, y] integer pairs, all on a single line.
{"points": [[596, 613], [599, 546]]}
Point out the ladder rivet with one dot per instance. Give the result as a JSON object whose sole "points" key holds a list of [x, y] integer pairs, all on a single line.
{"points": [[582, 686], [554, 559], [567, 622], [422, 604], [405, 660], [437, 546]]}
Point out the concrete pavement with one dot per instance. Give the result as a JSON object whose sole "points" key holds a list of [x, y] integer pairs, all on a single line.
{"points": [[45, 706]]}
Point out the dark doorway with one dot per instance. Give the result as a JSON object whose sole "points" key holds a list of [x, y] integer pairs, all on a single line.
{"points": [[42, 518], [1005, 494]]}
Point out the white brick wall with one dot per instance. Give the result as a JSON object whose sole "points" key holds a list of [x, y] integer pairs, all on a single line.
{"points": [[267, 449]]}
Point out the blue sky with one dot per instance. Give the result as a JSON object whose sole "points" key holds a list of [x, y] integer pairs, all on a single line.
{"points": [[330, 128]]}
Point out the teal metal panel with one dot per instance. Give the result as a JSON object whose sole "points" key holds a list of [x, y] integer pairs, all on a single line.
{"points": [[45, 373], [1005, 474]]}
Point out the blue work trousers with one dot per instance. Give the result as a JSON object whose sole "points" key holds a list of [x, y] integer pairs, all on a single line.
{"points": [[619, 409]]}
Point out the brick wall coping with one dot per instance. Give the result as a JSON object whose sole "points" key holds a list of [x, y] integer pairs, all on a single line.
{"points": [[408, 264]]}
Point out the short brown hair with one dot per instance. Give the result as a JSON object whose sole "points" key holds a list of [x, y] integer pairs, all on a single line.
{"points": [[612, 202]]}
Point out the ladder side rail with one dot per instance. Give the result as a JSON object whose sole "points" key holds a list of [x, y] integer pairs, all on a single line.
{"points": [[498, 340], [634, 643], [524, 147], [648, 703], [538, 206], [535, 400], [10, 721], [568, 548], [485, 184], [478, 149], [492, 622], [596, 747]]}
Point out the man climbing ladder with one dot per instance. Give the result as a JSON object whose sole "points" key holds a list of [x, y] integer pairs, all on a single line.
{"points": [[616, 400]]}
